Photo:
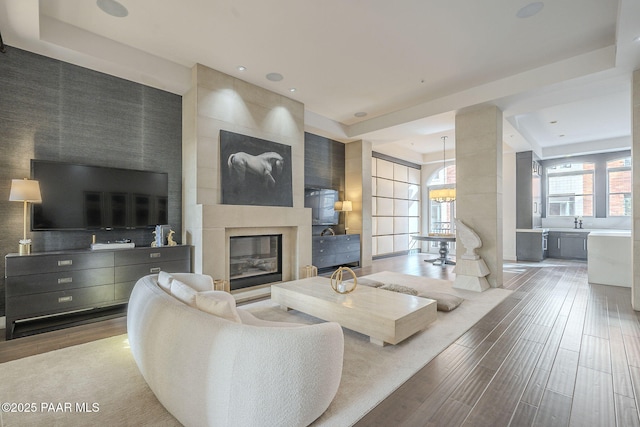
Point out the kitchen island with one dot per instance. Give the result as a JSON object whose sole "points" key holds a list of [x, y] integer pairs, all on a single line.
{"points": [[609, 257]]}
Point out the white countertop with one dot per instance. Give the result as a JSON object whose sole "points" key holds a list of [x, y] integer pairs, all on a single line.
{"points": [[572, 230], [611, 233]]}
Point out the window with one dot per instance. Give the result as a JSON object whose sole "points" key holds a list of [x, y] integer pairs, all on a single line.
{"points": [[395, 206], [570, 189], [619, 187], [441, 218]]}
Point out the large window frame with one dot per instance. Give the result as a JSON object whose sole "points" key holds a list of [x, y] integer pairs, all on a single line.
{"points": [[619, 187], [395, 206], [442, 214], [567, 203]]}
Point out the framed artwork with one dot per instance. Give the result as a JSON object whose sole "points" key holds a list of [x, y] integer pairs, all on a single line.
{"points": [[254, 171]]}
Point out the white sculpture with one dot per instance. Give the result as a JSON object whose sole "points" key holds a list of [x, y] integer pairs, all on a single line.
{"points": [[470, 240], [471, 270]]}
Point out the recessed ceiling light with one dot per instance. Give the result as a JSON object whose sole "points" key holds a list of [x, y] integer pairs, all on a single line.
{"points": [[360, 114], [530, 9], [113, 8], [636, 39], [241, 68], [293, 89], [274, 77]]}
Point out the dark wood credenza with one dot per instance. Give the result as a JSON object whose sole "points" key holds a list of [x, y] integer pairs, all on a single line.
{"points": [[331, 251], [52, 290]]}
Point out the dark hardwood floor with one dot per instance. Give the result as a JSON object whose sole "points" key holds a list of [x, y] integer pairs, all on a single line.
{"points": [[557, 352]]}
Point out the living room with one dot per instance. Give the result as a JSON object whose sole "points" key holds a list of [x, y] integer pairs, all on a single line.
{"points": [[49, 105]]}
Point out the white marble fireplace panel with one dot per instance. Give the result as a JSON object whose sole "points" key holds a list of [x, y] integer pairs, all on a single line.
{"points": [[221, 222]]}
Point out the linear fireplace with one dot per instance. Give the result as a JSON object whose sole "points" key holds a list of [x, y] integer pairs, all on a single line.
{"points": [[255, 260]]}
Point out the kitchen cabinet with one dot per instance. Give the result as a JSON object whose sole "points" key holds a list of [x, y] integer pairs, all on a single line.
{"points": [[554, 244], [531, 245], [568, 244], [528, 191]]}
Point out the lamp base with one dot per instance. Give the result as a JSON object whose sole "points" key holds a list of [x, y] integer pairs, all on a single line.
{"points": [[25, 247]]}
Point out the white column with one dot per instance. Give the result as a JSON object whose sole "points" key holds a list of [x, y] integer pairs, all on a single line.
{"points": [[358, 190], [635, 156], [479, 183]]}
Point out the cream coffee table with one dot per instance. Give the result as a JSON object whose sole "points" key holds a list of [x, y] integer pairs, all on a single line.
{"points": [[385, 316]]}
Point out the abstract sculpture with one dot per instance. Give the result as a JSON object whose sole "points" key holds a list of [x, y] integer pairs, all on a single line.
{"points": [[470, 269]]}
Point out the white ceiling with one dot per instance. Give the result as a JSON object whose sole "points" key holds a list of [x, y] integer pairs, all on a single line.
{"points": [[410, 64]]}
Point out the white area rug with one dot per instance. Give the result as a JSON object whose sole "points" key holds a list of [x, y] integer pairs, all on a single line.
{"points": [[64, 385], [370, 372]]}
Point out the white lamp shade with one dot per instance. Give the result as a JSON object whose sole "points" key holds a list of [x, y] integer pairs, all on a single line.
{"points": [[25, 190], [337, 206], [347, 206]]}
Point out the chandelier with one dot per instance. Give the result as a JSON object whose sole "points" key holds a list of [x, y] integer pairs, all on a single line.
{"points": [[445, 194]]}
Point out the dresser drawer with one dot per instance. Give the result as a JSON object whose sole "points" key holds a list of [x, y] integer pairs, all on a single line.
{"points": [[39, 283], [347, 246], [324, 260], [50, 263], [145, 255], [57, 302], [350, 257], [127, 273]]}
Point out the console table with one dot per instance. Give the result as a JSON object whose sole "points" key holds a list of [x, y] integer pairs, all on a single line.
{"points": [[52, 290], [444, 259]]}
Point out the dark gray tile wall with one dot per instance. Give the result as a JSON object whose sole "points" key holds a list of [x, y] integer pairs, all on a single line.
{"points": [[52, 110], [323, 162]]}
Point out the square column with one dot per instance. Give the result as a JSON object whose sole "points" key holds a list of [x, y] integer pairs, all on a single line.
{"points": [[358, 190], [635, 159], [479, 183]]}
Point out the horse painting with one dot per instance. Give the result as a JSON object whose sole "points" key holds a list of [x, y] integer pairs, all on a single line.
{"points": [[264, 165], [254, 171]]}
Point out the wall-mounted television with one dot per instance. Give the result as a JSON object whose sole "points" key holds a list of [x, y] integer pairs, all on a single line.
{"points": [[321, 201], [83, 197]]}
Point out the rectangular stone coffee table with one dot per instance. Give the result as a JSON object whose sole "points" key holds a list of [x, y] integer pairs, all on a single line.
{"points": [[385, 316]]}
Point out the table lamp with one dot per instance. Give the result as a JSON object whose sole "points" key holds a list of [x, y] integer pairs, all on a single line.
{"points": [[25, 191], [344, 206]]}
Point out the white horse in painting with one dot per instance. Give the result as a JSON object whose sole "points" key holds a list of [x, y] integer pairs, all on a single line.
{"points": [[264, 165]]}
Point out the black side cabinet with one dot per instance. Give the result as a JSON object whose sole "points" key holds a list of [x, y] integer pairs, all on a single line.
{"points": [[53, 290], [331, 251]]}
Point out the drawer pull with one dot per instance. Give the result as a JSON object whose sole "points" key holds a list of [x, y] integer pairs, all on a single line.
{"points": [[154, 270], [64, 262], [66, 299], [154, 255], [65, 280]]}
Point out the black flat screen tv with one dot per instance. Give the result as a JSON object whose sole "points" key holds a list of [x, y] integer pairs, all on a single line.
{"points": [[83, 197], [321, 201]]}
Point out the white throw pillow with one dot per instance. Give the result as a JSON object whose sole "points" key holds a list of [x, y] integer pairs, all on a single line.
{"points": [[184, 293], [164, 281], [218, 303]]}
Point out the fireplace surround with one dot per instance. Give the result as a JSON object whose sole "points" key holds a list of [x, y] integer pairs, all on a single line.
{"points": [[222, 222]]}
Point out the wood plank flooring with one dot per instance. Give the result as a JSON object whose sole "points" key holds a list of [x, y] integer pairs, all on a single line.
{"points": [[557, 352]]}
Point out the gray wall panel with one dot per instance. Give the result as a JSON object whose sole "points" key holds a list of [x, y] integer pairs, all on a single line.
{"points": [[324, 161], [51, 110]]}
